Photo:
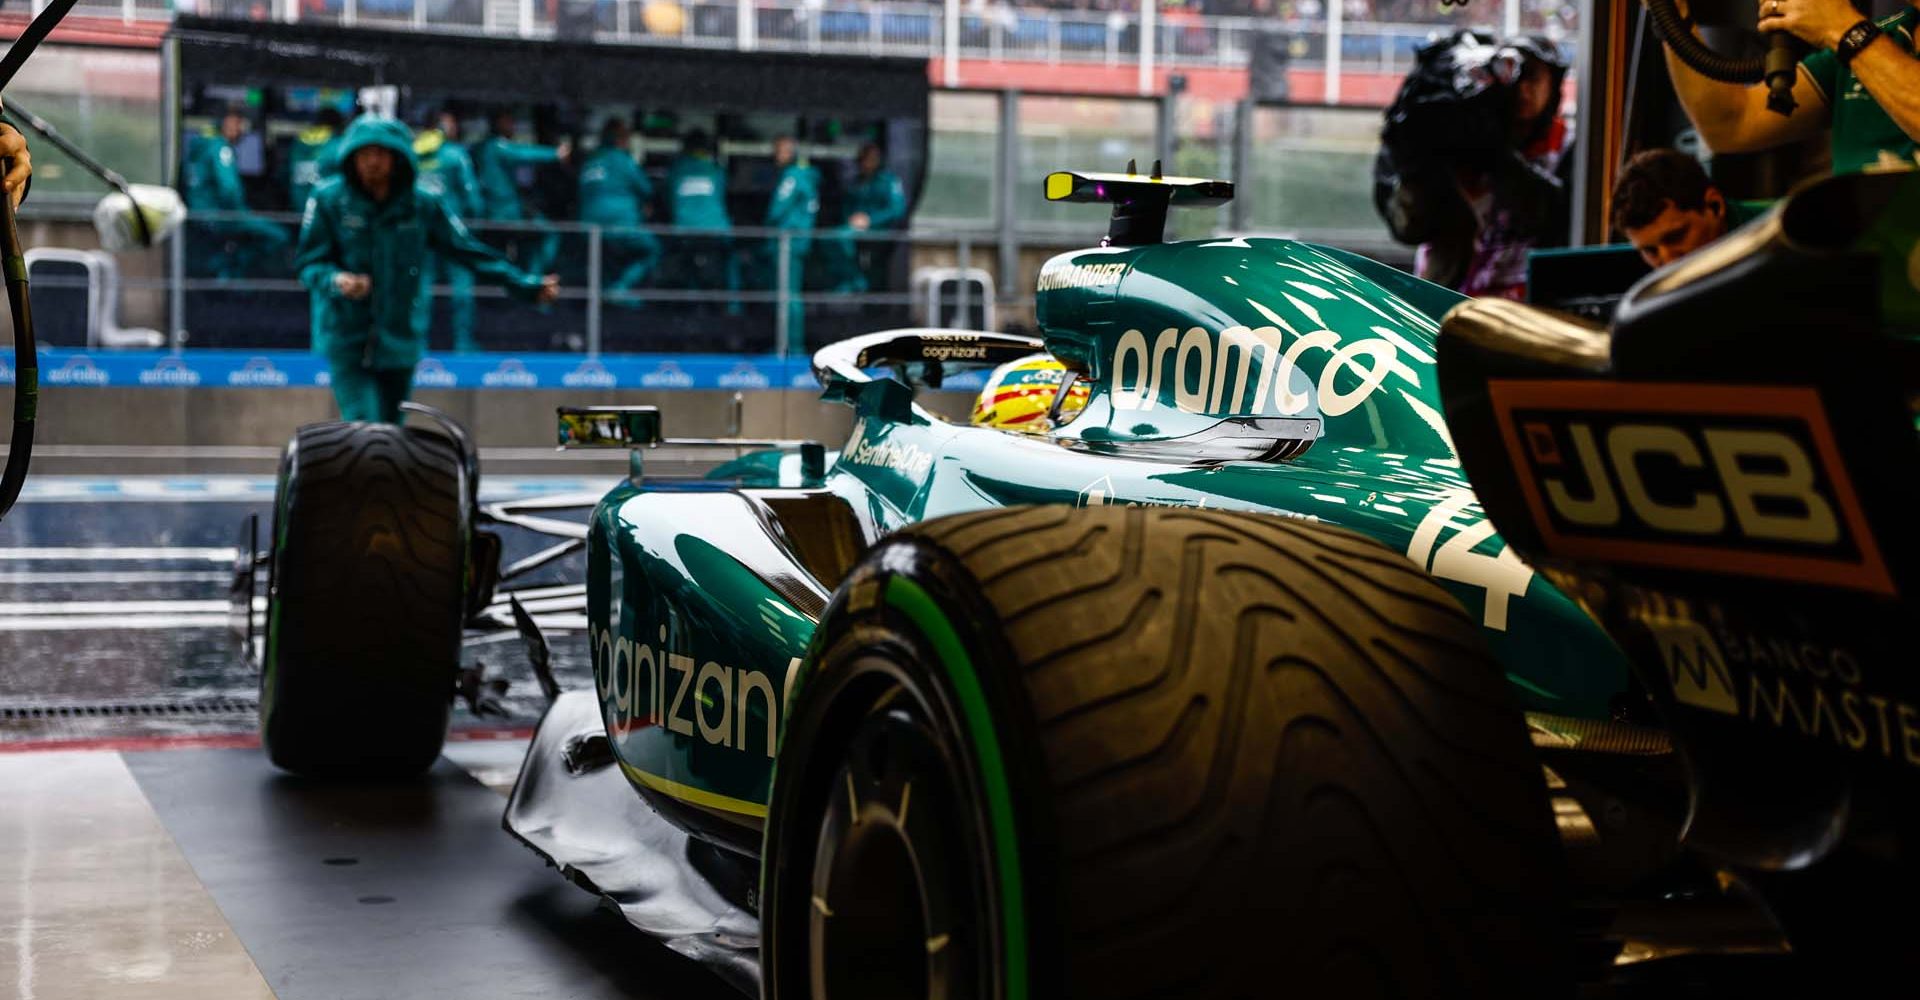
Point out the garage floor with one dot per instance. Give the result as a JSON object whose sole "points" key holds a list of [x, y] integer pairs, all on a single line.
{"points": [[150, 850]]}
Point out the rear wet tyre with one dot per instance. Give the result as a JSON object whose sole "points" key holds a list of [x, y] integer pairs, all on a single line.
{"points": [[366, 605], [1186, 753]]}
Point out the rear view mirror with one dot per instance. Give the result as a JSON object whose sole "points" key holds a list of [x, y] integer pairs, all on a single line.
{"points": [[609, 426]]}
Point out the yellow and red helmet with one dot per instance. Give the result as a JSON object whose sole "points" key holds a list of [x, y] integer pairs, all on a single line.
{"points": [[1019, 394]]}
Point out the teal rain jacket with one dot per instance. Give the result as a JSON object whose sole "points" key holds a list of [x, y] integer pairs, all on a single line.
{"points": [[212, 179], [613, 190], [494, 161], [345, 230], [882, 197], [314, 157], [447, 170], [795, 204], [697, 193]]}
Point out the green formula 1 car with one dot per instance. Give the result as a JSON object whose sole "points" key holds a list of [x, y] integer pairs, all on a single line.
{"points": [[1220, 681]]}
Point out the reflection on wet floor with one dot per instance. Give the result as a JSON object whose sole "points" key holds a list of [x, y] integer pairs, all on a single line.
{"points": [[113, 609], [100, 901]]}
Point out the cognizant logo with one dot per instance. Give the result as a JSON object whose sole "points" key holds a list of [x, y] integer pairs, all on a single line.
{"points": [[643, 685]]}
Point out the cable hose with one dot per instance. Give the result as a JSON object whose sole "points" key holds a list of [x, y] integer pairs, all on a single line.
{"points": [[26, 366], [1674, 30]]}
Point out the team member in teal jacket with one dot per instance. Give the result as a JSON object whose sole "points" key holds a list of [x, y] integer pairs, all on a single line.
{"points": [[212, 183], [876, 202], [447, 170], [697, 199], [313, 157], [496, 161], [363, 247], [614, 194], [794, 207]]}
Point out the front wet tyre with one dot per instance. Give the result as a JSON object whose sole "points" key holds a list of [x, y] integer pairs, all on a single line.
{"points": [[1155, 753]]}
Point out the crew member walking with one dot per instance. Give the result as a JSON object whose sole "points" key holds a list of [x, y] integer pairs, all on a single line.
{"points": [[363, 247]]}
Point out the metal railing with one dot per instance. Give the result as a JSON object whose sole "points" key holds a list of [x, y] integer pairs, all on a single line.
{"points": [[229, 281]]}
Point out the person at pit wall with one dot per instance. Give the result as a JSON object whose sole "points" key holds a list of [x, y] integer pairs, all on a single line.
{"points": [[615, 194], [244, 244], [498, 161], [363, 247], [313, 157], [697, 200], [876, 202], [792, 211], [446, 169]]}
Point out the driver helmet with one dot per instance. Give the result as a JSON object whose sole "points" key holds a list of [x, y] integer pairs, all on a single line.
{"points": [[1019, 395]]}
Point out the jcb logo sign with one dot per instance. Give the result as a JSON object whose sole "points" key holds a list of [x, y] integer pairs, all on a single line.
{"points": [[1722, 479]]}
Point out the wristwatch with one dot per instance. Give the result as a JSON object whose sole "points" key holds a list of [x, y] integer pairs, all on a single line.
{"points": [[1855, 39]]}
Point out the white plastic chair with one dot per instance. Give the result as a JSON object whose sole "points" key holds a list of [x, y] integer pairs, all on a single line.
{"points": [[103, 299]]}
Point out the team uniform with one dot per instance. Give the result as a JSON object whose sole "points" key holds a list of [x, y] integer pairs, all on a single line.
{"points": [[447, 170], [613, 194], [372, 344], [1864, 136]]}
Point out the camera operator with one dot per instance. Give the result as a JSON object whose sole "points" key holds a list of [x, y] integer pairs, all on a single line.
{"points": [[1863, 83], [1470, 158]]}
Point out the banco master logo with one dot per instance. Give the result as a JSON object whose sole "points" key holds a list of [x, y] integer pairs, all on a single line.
{"points": [[1254, 371], [1744, 480], [511, 374], [667, 376], [433, 373], [257, 372], [907, 459], [78, 370], [643, 685], [170, 371], [590, 374]]}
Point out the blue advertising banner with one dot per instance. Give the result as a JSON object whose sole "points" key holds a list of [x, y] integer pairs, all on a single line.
{"points": [[68, 368]]}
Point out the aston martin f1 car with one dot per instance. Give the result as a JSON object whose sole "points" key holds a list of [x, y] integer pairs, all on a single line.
{"points": [[1219, 678]]}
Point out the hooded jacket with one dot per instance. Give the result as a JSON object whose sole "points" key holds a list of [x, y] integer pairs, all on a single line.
{"points": [[345, 230]]}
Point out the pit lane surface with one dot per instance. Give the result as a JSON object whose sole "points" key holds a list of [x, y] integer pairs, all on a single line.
{"points": [[113, 608], [151, 850]]}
